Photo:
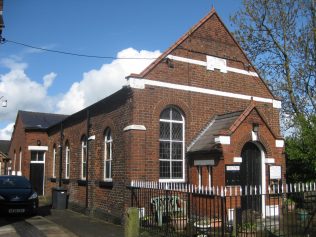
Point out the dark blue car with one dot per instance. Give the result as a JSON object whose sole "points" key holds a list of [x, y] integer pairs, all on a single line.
{"points": [[17, 196]]}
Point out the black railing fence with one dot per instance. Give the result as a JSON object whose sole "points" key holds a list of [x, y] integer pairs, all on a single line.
{"points": [[168, 209]]}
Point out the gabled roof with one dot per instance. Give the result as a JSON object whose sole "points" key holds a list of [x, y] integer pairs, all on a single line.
{"points": [[226, 125], [218, 125], [182, 39], [175, 45], [40, 121]]}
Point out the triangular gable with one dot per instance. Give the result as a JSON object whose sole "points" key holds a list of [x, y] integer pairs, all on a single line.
{"points": [[186, 36], [218, 125], [243, 116], [175, 45], [224, 125]]}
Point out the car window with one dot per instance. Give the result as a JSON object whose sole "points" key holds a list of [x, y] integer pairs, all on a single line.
{"points": [[14, 182]]}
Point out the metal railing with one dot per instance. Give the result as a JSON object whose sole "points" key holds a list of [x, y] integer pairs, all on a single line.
{"points": [[168, 209]]}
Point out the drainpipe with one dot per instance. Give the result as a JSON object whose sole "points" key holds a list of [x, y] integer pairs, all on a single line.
{"points": [[87, 160], [60, 153]]}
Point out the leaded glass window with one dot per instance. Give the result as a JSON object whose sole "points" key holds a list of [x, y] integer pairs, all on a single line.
{"points": [[108, 143], [171, 148], [83, 157], [54, 161], [67, 170]]}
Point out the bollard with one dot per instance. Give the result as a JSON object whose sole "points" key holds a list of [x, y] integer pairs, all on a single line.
{"points": [[132, 222]]}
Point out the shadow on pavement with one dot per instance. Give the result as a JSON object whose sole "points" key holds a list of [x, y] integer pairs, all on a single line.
{"points": [[8, 219]]}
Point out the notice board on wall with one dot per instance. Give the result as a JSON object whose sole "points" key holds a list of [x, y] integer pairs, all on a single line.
{"points": [[275, 172], [232, 174]]}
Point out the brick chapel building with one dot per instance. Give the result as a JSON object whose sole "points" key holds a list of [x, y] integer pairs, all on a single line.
{"points": [[199, 114], [28, 146]]}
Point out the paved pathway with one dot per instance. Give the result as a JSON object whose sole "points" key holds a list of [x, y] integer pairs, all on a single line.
{"points": [[32, 227], [57, 223]]}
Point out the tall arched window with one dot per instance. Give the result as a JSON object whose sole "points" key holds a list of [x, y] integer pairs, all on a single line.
{"points": [[14, 161], [54, 161], [108, 144], [171, 149], [83, 157], [67, 163], [20, 162]]}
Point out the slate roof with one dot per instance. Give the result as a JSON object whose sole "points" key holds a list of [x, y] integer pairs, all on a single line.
{"points": [[40, 121], [218, 125], [4, 146]]}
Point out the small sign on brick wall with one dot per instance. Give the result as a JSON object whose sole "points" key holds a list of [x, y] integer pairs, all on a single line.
{"points": [[275, 172], [232, 174], [204, 162]]}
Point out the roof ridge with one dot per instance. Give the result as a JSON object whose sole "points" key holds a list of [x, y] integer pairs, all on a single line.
{"points": [[175, 45], [243, 115], [35, 112]]}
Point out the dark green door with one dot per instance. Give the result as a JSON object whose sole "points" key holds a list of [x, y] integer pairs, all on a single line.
{"points": [[37, 177], [251, 176]]}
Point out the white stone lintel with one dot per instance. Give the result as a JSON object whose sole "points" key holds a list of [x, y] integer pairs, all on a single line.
{"points": [[134, 127], [38, 148]]}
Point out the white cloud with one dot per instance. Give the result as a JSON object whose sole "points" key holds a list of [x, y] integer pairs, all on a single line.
{"points": [[99, 83], [49, 79], [23, 93], [5, 133]]}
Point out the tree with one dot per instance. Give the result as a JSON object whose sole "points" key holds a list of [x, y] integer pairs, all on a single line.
{"points": [[280, 38], [301, 151]]}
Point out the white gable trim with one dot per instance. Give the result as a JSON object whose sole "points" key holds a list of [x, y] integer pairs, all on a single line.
{"points": [[139, 83], [221, 65]]}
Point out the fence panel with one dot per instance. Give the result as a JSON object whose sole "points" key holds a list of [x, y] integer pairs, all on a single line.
{"points": [[168, 209]]}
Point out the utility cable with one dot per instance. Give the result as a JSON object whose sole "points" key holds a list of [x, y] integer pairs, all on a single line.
{"points": [[3, 40]]}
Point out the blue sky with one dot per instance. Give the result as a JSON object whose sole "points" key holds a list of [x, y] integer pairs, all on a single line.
{"points": [[47, 82]]}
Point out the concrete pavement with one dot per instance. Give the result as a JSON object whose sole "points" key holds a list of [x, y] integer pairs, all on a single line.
{"points": [[36, 226], [61, 223]]}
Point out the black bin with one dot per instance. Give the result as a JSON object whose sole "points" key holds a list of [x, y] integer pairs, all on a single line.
{"points": [[59, 198]]}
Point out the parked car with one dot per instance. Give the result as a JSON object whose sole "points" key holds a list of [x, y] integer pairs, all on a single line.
{"points": [[17, 195]]}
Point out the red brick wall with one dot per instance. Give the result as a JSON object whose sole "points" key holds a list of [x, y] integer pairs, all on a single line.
{"points": [[108, 199], [136, 153], [21, 139]]}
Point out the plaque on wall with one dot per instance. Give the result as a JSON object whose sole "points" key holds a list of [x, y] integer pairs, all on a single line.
{"points": [[204, 162], [232, 175], [275, 172]]}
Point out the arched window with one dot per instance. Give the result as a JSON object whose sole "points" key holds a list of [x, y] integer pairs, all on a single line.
{"points": [[54, 161], [14, 161], [83, 157], [20, 162], [67, 163], [171, 148], [108, 145]]}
